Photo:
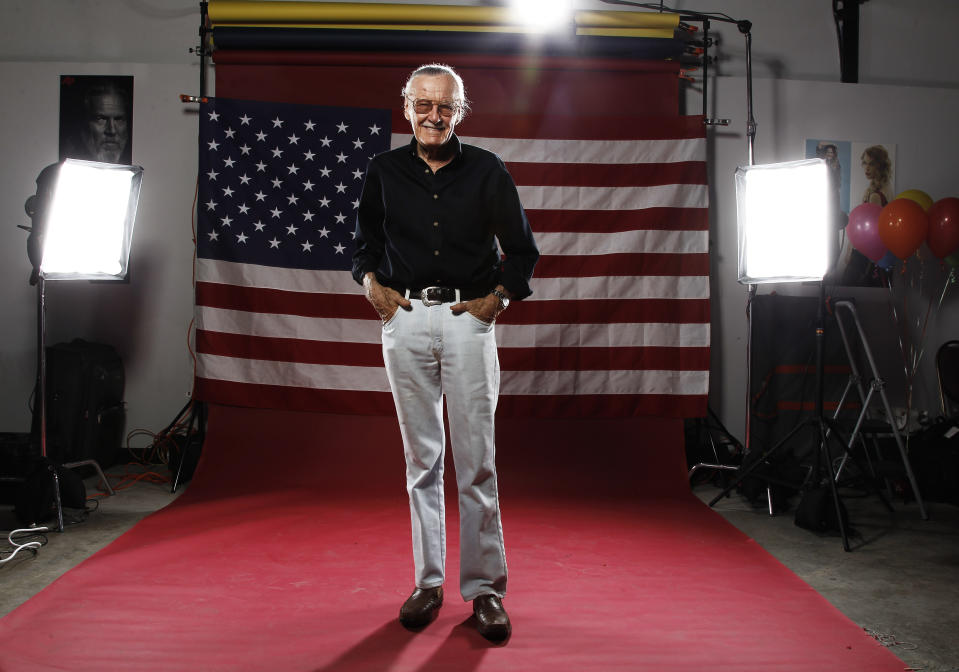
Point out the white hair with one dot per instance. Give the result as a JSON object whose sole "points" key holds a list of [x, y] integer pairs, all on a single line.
{"points": [[433, 70]]}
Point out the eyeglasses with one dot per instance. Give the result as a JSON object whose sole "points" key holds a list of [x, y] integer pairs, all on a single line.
{"points": [[425, 106]]}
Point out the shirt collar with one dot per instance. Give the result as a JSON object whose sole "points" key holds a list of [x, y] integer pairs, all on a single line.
{"points": [[454, 140]]}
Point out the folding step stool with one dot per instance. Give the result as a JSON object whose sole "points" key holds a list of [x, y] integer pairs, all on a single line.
{"points": [[876, 385]]}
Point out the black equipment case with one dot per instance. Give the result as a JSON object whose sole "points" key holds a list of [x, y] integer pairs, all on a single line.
{"points": [[85, 410]]}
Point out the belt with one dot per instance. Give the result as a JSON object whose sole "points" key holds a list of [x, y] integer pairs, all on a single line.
{"points": [[433, 296]]}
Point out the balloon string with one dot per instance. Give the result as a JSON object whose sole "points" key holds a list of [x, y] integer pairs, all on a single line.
{"points": [[942, 295], [920, 345], [919, 348], [951, 278], [907, 331], [925, 283], [911, 348], [895, 319]]}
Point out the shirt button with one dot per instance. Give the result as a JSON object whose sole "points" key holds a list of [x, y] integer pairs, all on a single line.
{"points": [[436, 253], [435, 196], [436, 223], [427, 171]]}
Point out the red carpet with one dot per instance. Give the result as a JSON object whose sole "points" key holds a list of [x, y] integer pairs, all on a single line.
{"points": [[290, 551]]}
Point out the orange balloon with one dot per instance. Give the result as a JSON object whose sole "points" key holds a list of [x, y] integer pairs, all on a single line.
{"points": [[919, 196], [903, 225]]}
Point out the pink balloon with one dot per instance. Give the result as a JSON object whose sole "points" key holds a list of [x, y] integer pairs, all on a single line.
{"points": [[863, 230]]}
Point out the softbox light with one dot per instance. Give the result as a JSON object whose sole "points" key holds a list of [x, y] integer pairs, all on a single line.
{"points": [[783, 221], [89, 223]]}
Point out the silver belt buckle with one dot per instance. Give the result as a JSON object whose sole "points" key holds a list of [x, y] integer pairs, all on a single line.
{"points": [[425, 296]]}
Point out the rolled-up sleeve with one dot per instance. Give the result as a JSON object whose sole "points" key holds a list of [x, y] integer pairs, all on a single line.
{"points": [[370, 236], [515, 238]]}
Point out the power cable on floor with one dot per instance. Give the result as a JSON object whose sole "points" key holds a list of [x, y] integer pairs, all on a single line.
{"points": [[32, 541]]}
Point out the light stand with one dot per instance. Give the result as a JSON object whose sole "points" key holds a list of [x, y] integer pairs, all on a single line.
{"points": [[824, 427], [788, 243], [42, 376], [83, 215]]}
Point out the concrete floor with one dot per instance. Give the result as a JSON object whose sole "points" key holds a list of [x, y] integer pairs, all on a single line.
{"points": [[898, 582]]}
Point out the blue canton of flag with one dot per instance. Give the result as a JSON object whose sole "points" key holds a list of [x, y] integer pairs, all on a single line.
{"points": [[280, 184]]}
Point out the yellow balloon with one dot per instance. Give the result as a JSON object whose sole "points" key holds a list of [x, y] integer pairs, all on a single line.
{"points": [[919, 196]]}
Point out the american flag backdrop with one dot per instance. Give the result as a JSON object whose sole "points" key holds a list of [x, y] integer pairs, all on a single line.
{"points": [[618, 323]]}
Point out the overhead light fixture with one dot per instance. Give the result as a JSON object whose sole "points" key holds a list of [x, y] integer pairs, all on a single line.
{"points": [[783, 218], [542, 16]]}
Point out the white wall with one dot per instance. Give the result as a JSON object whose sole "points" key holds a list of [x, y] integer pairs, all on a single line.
{"points": [[908, 95]]}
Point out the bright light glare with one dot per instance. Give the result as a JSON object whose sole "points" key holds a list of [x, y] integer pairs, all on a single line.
{"points": [[90, 223], [783, 221], [542, 15]]}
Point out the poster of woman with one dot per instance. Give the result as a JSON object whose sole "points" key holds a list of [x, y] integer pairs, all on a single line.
{"points": [[860, 172], [877, 161], [837, 155]]}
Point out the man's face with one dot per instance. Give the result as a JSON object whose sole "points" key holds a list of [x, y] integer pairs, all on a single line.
{"points": [[105, 130], [432, 127]]}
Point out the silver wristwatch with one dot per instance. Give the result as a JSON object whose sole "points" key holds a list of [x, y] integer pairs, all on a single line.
{"points": [[503, 299]]}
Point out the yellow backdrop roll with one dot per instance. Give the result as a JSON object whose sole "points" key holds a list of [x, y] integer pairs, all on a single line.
{"points": [[262, 13], [626, 19], [351, 14], [662, 33], [448, 27]]}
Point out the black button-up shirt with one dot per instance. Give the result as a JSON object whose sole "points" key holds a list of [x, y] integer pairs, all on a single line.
{"points": [[416, 228]]}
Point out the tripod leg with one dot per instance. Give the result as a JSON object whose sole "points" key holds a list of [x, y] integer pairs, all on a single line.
{"points": [[755, 465], [96, 467], [870, 476], [187, 406], [186, 447], [827, 458], [194, 437], [56, 496]]}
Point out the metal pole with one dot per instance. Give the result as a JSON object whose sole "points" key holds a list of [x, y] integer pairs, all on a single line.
{"points": [[705, 67], [750, 295], [745, 27], [204, 16], [42, 342]]}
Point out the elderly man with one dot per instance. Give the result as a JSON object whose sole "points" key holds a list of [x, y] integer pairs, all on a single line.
{"points": [[429, 220]]}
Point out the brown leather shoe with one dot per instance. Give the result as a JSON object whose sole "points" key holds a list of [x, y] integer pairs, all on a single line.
{"points": [[422, 607], [491, 618]]}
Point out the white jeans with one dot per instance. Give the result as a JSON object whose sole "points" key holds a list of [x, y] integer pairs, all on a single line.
{"points": [[430, 352]]}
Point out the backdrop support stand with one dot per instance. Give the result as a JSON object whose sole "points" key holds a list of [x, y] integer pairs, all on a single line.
{"points": [[198, 419]]}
